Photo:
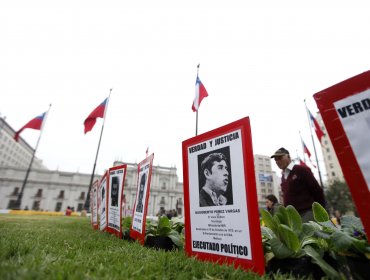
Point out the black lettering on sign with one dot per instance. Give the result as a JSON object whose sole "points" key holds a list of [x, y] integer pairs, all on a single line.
{"points": [[355, 108]]}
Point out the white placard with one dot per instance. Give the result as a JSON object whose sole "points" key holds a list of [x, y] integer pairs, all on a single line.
{"points": [[221, 229], [354, 114]]}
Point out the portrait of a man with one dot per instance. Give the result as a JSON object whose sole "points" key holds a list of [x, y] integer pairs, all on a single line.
{"points": [[215, 180], [139, 207], [103, 199], [114, 191]]}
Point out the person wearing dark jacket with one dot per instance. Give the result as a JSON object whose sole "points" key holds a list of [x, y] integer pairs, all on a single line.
{"points": [[272, 204], [299, 186]]}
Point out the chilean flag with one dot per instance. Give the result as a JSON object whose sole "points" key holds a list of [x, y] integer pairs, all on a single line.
{"points": [[307, 151], [301, 162], [97, 113], [316, 126], [35, 123], [200, 93]]}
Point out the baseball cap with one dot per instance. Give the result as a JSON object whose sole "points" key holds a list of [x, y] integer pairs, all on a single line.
{"points": [[282, 151]]}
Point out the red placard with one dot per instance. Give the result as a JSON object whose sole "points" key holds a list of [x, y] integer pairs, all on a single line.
{"points": [[345, 110], [140, 210], [94, 204], [221, 213], [117, 177]]}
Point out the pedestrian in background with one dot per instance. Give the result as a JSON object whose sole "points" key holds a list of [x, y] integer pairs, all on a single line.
{"points": [[272, 204], [299, 186]]}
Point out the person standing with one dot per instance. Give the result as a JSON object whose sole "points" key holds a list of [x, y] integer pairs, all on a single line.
{"points": [[272, 204], [299, 186]]}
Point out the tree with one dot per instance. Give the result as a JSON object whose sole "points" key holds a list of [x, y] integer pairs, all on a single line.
{"points": [[338, 197]]}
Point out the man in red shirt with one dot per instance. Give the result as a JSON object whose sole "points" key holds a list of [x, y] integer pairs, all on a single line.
{"points": [[299, 186]]}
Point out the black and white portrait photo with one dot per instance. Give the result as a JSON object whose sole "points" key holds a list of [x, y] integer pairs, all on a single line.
{"points": [[103, 200], [114, 191], [215, 185], [139, 205]]}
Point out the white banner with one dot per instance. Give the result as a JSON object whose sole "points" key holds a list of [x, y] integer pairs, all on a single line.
{"points": [[94, 204], [354, 114], [103, 205], [218, 205], [116, 181], [141, 195]]}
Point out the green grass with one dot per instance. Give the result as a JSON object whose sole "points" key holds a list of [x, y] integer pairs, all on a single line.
{"points": [[44, 247]]}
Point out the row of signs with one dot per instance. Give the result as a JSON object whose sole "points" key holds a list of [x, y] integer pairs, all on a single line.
{"points": [[108, 205], [221, 210]]}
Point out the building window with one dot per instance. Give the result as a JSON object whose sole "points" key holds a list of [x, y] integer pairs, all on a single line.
{"points": [[162, 202], [163, 185], [82, 196], [39, 193], [179, 201], [15, 191], [61, 195], [58, 207], [79, 207], [179, 205], [36, 205], [12, 203]]}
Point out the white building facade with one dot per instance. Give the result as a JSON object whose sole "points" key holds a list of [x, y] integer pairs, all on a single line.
{"points": [[332, 166], [12, 153], [56, 190], [52, 190], [266, 180]]}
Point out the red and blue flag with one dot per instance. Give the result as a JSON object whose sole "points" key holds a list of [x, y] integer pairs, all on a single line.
{"points": [[307, 151], [97, 113], [316, 126], [35, 123], [200, 93]]}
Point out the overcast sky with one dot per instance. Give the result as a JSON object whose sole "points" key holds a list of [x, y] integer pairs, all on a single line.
{"points": [[257, 58]]}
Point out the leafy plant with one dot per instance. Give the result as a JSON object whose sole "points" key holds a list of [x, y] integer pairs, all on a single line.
{"points": [[126, 226], [174, 229], [348, 240], [285, 237], [339, 197]]}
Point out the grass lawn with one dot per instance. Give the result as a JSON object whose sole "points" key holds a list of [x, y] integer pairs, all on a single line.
{"points": [[47, 247]]}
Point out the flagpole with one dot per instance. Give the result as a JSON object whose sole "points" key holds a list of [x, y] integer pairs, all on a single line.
{"points": [[196, 123], [87, 202], [313, 143], [18, 203], [196, 115], [304, 158]]}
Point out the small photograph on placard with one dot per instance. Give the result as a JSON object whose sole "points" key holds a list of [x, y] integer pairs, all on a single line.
{"points": [[114, 191], [214, 173], [139, 207]]}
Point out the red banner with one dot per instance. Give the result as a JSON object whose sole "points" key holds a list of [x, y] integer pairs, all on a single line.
{"points": [[221, 209], [345, 110]]}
